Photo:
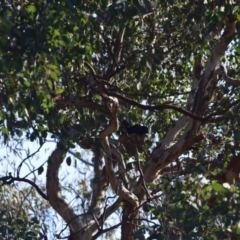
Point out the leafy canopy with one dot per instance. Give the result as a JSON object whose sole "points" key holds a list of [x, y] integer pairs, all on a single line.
{"points": [[61, 63]]}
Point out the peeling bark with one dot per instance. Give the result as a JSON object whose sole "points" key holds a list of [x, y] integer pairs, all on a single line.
{"points": [[123, 192], [167, 151], [128, 225], [99, 185], [203, 87], [131, 201], [79, 224], [54, 195]]}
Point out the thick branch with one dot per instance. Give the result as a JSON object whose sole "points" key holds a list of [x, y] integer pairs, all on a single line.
{"points": [[55, 198], [118, 188], [163, 154], [203, 95], [156, 107], [153, 166], [99, 185], [86, 104]]}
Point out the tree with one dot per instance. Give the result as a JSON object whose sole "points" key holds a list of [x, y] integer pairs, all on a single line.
{"points": [[76, 71], [19, 219]]}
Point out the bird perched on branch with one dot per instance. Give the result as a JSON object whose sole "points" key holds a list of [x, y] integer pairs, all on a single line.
{"points": [[137, 128]]}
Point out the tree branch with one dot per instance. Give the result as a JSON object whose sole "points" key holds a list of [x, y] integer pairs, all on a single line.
{"points": [[229, 80], [156, 107], [55, 198], [10, 179], [119, 189], [87, 104], [163, 155]]}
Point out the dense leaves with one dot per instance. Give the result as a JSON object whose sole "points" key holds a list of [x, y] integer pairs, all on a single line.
{"points": [[61, 62], [20, 219]]}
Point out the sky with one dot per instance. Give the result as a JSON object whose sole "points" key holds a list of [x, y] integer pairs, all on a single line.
{"points": [[12, 155]]}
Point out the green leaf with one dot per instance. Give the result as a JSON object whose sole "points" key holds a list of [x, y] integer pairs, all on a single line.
{"points": [[19, 133], [52, 66], [75, 163], [31, 9], [54, 75], [5, 133], [59, 90], [33, 136], [40, 170], [235, 9], [218, 187], [68, 160], [62, 118], [237, 230], [27, 83], [50, 85]]}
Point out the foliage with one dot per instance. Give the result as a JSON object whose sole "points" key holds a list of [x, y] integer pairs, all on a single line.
{"points": [[20, 219], [65, 65]]}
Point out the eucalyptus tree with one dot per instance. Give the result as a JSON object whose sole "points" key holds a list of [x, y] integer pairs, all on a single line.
{"points": [[150, 89]]}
